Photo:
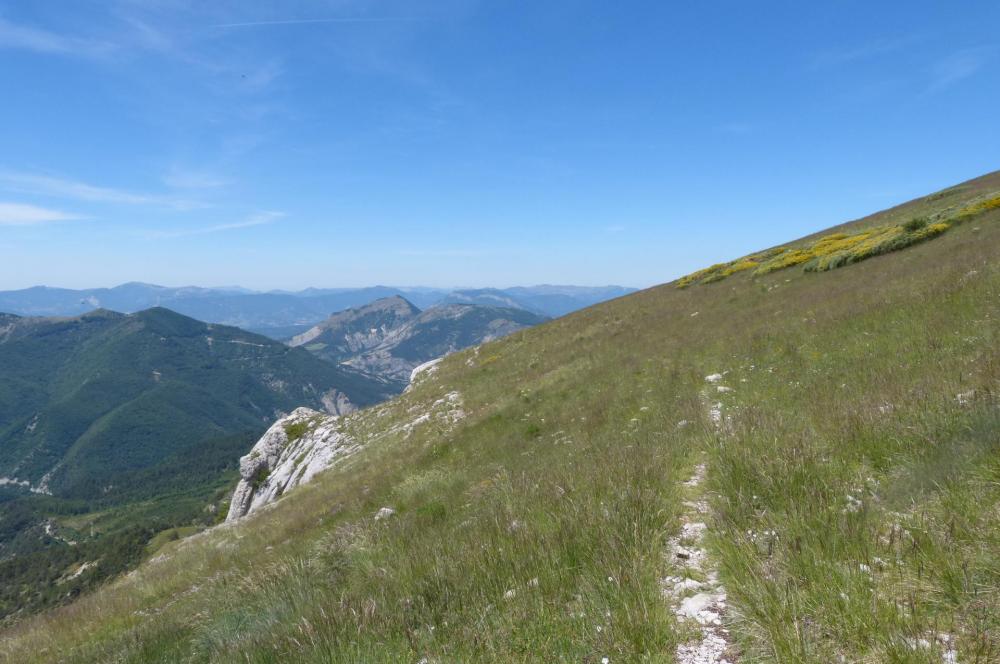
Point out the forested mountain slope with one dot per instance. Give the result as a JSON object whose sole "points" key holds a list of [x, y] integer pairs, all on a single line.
{"points": [[115, 427], [83, 399]]}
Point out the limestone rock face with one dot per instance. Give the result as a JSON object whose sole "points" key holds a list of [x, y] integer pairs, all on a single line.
{"points": [[336, 402], [423, 370], [306, 442], [290, 453]]}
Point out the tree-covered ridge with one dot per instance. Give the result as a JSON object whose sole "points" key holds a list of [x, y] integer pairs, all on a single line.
{"points": [[114, 427], [84, 398]]}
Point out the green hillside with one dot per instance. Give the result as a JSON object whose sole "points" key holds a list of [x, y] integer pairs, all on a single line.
{"points": [[137, 421], [84, 399], [845, 422]]}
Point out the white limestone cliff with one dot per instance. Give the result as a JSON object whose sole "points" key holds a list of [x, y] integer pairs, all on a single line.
{"points": [[290, 453], [305, 442]]}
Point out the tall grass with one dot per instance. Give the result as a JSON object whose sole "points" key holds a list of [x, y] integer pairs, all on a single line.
{"points": [[855, 490]]}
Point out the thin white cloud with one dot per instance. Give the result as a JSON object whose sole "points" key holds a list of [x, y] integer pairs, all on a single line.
{"points": [[44, 185], [28, 38], [958, 66], [20, 214], [843, 56], [308, 21], [258, 219]]}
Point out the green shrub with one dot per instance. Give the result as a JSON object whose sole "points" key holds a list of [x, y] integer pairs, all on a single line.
{"points": [[296, 430]]}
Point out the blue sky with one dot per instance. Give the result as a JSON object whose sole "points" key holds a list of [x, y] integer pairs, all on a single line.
{"points": [[464, 142]]}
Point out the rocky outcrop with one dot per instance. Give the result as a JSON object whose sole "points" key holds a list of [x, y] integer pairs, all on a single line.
{"points": [[425, 369], [336, 402], [306, 442], [290, 453]]}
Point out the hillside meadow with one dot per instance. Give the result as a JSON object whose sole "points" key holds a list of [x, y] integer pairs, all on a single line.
{"points": [[852, 470]]}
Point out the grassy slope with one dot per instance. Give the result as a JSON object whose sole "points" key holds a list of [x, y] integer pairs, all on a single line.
{"points": [[536, 529]]}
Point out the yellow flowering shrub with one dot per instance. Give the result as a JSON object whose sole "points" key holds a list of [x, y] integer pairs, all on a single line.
{"points": [[978, 208], [739, 266], [838, 249]]}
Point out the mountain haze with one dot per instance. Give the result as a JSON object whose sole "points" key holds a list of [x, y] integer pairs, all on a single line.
{"points": [[281, 314], [390, 337]]}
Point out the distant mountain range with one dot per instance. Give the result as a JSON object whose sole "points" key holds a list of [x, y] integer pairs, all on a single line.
{"points": [[282, 314], [391, 336]]}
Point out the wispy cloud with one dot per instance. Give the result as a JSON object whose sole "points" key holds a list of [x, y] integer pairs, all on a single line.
{"points": [[308, 21], [843, 56], [44, 185], [959, 66], [24, 37], [258, 219], [20, 214]]}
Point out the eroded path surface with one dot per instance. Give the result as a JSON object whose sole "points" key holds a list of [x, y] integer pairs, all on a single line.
{"points": [[694, 591]]}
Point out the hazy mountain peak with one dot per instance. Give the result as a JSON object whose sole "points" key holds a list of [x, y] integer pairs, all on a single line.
{"points": [[391, 336]]}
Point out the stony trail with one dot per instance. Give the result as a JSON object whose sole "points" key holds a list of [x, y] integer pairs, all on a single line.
{"points": [[695, 593]]}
